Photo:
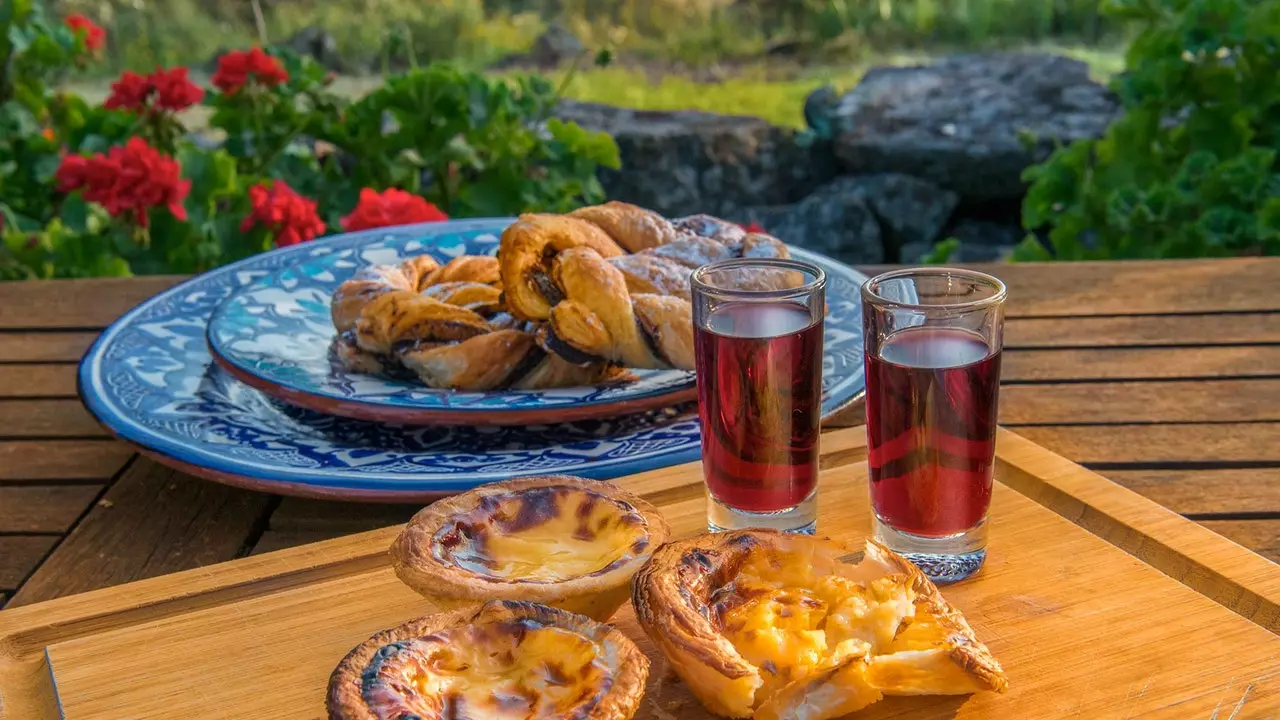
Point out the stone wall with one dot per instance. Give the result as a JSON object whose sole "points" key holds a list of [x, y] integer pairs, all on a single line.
{"points": [[911, 156]]}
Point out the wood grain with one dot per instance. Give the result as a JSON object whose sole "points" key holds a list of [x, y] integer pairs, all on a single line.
{"points": [[47, 419], [44, 509], [152, 521], [1137, 402], [1134, 287], [44, 460], [1140, 363], [1217, 445], [1136, 331], [336, 517], [65, 347], [20, 554], [271, 627], [273, 540], [1204, 492], [85, 304], [1263, 536], [35, 380]]}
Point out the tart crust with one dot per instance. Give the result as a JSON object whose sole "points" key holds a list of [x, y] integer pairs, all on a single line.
{"points": [[580, 669], [909, 639], [451, 552]]}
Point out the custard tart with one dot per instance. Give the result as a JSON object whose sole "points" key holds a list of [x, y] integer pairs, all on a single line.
{"points": [[503, 659], [557, 540], [761, 624]]}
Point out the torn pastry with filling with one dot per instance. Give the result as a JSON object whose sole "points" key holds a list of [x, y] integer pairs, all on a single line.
{"points": [[766, 625]]}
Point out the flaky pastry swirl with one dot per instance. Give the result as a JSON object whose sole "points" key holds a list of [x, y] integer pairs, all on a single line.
{"points": [[446, 325], [601, 304]]}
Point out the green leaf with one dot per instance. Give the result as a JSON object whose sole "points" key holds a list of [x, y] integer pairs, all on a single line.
{"points": [[942, 253], [1031, 250], [74, 214]]}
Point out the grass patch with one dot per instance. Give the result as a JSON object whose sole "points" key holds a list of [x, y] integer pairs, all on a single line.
{"points": [[776, 94]]}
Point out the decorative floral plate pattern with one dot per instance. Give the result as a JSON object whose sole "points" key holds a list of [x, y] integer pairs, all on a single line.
{"points": [[276, 333], [151, 379]]}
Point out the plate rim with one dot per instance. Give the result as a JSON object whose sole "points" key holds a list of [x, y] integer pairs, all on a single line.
{"points": [[125, 428]]}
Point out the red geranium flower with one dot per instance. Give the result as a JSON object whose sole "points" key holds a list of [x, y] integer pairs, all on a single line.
{"points": [[166, 90], [392, 207], [174, 89], [94, 36], [290, 217], [130, 92], [237, 68], [127, 180]]}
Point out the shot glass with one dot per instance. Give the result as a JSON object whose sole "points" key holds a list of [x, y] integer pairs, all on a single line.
{"points": [[933, 340], [758, 341]]}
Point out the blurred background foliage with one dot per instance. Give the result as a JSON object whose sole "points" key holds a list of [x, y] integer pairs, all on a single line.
{"points": [[756, 57]]}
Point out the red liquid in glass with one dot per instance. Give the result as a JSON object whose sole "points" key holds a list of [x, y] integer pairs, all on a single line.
{"points": [[759, 397], [931, 426]]}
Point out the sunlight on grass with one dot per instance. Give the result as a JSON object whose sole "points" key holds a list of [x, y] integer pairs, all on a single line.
{"points": [[752, 90], [779, 101]]}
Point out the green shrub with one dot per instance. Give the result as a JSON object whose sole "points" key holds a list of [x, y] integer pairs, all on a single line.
{"points": [[1192, 169], [122, 188]]}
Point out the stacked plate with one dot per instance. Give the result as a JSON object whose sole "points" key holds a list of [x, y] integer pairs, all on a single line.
{"points": [[228, 377]]}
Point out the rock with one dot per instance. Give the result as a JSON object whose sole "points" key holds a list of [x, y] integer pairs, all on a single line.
{"points": [[687, 162], [906, 211], [841, 227], [554, 46], [319, 45], [970, 123]]}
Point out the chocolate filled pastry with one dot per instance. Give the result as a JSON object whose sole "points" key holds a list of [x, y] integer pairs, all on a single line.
{"points": [[599, 320], [447, 326], [503, 660], [569, 300], [632, 309]]}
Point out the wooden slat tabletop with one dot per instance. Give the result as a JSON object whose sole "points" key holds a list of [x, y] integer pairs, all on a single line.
{"points": [[1165, 376]]}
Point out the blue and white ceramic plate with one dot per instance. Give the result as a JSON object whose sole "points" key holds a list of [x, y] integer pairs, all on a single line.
{"points": [[276, 333], [151, 379]]}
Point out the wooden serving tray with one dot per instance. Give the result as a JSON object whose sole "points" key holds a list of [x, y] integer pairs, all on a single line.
{"points": [[1099, 603]]}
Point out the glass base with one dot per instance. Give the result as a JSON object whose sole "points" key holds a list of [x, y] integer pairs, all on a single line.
{"points": [[802, 518], [944, 559]]}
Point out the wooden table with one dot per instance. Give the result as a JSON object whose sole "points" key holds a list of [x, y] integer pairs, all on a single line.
{"points": [[1165, 376]]}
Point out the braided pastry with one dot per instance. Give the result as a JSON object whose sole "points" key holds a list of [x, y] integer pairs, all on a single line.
{"points": [[452, 333], [370, 282], [631, 309], [598, 320], [527, 247]]}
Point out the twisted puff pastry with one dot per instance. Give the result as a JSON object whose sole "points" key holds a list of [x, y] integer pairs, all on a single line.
{"points": [[452, 334], [632, 309], [599, 319]]}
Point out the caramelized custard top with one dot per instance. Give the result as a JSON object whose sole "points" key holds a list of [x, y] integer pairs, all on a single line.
{"points": [[507, 669], [543, 534], [788, 614]]}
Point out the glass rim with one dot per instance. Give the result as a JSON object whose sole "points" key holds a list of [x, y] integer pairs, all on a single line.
{"points": [[1001, 290], [818, 282]]}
